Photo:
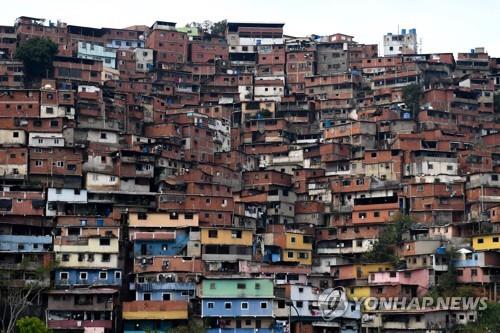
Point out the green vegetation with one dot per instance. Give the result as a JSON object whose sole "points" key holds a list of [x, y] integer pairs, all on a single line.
{"points": [[37, 55], [447, 284], [31, 325], [192, 326], [264, 113], [209, 27], [383, 249], [17, 301], [411, 97], [487, 322], [496, 103]]}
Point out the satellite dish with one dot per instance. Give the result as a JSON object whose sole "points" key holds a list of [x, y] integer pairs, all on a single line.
{"points": [[141, 37]]}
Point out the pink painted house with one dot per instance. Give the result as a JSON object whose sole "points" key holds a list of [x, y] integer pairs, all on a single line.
{"points": [[422, 278]]}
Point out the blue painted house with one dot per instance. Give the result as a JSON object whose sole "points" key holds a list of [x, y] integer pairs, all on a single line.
{"points": [[161, 247], [88, 277], [240, 305], [25, 244], [165, 291]]}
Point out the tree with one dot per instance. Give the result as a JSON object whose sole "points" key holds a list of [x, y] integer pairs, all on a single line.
{"points": [[37, 55], [393, 234], [209, 27], [496, 103], [31, 325], [411, 97], [17, 300], [487, 321], [219, 28]]}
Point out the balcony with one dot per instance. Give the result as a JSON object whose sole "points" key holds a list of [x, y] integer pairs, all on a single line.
{"points": [[155, 310], [76, 324], [150, 286], [244, 330], [21, 243]]}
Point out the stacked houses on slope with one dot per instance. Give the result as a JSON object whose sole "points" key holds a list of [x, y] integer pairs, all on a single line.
{"points": [[162, 177]]}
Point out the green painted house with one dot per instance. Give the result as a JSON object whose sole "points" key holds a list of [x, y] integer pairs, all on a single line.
{"points": [[237, 288]]}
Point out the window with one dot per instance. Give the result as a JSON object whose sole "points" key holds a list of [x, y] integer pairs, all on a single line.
{"points": [[236, 234], [244, 305], [212, 285], [494, 178], [63, 275], [212, 233], [65, 257], [473, 272], [292, 239], [290, 254], [118, 275], [106, 257], [228, 305], [104, 136], [210, 305], [83, 275], [104, 241], [257, 286], [187, 293], [147, 296], [38, 163], [103, 275], [263, 305], [480, 241], [166, 296], [299, 304], [376, 214], [495, 239], [241, 286], [15, 134]]}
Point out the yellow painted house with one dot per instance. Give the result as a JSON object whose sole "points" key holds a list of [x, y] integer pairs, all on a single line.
{"points": [[298, 248], [359, 271], [217, 236], [155, 310], [163, 220], [357, 292], [91, 252], [486, 242]]}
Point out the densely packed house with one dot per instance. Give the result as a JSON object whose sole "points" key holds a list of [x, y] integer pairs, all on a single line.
{"points": [[165, 177]]}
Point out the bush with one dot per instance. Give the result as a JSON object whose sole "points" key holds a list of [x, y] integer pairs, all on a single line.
{"points": [[31, 325]]}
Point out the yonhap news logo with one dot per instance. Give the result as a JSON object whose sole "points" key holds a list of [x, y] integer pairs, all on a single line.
{"points": [[333, 303]]}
